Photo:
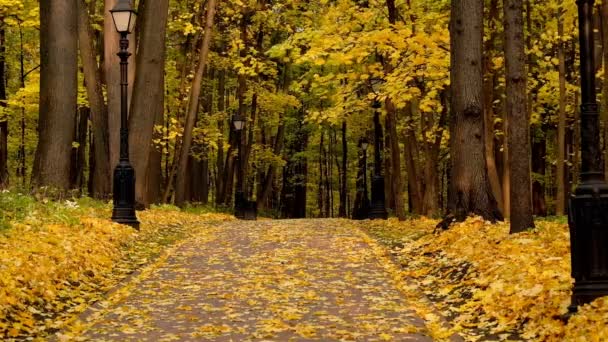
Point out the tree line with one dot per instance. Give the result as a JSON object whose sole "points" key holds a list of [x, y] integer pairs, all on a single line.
{"points": [[478, 102]]}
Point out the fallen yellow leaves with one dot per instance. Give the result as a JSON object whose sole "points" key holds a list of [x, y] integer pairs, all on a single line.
{"points": [[490, 283], [52, 268]]}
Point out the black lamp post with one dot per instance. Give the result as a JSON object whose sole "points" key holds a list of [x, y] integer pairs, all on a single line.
{"points": [[124, 175], [243, 208], [361, 207], [239, 195], [588, 209], [378, 208]]}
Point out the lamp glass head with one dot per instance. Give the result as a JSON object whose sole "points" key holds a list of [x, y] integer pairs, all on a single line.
{"points": [[124, 16], [238, 122]]}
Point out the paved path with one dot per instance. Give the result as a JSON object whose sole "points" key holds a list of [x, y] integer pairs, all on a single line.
{"points": [[305, 280]]}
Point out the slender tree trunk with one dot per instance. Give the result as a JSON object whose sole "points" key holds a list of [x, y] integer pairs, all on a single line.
{"points": [[604, 107], [397, 187], [221, 92], [193, 107], [489, 107], [100, 172], [560, 201], [411, 162], [519, 131], [4, 180], [111, 74], [470, 190], [342, 210], [58, 92]]}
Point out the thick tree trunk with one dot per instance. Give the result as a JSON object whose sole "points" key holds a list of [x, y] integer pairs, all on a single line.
{"points": [[100, 173], [148, 93], [470, 190], [519, 131], [58, 92], [180, 183]]}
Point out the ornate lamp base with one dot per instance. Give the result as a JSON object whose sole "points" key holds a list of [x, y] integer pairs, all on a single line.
{"points": [[588, 218], [124, 195], [244, 209]]}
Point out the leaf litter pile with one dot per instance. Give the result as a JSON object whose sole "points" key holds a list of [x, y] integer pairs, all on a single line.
{"points": [[491, 285], [57, 258]]}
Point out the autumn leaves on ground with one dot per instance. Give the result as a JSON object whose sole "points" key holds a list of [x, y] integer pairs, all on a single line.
{"points": [[68, 272]]}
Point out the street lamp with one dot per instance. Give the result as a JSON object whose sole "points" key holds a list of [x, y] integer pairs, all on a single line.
{"points": [[124, 17], [361, 207], [378, 208], [588, 209], [243, 208]]}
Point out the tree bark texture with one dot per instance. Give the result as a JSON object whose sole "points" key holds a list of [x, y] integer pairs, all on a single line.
{"points": [[148, 93], [519, 133], [111, 74], [58, 92], [470, 190]]}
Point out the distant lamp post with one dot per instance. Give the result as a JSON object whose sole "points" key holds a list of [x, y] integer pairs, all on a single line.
{"points": [[361, 207], [588, 209], [124, 175], [378, 207], [243, 208]]}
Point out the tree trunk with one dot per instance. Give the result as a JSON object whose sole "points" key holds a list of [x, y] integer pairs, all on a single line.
{"points": [[604, 106], [342, 210], [193, 107], [489, 106], [519, 131], [148, 93], [111, 74], [100, 173], [412, 162], [4, 180], [155, 172], [397, 187], [470, 190], [58, 92], [219, 180], [560, 201]]}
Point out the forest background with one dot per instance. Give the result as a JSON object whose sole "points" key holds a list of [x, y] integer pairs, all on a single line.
{"points": [[306, 75]]}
